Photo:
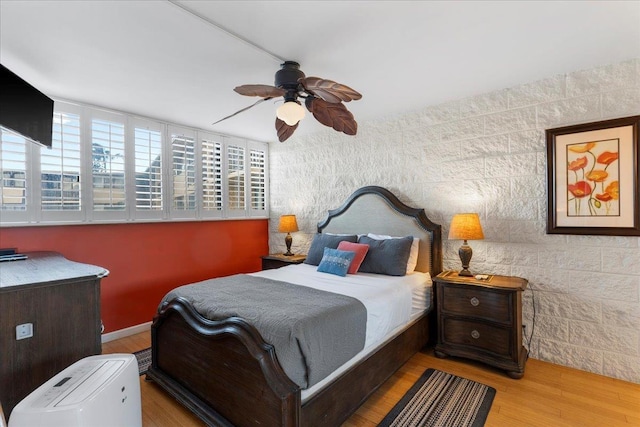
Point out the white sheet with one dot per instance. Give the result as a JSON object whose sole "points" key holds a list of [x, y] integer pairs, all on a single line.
{"points": [[389, 300]]}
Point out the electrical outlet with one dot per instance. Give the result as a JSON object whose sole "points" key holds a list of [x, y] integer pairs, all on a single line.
{"points": [[24, 331]]}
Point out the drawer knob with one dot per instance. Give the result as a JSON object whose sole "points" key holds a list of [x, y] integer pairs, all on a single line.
{"points": [[474, 301], [475, 334]]}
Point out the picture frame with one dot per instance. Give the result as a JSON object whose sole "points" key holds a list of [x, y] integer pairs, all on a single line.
{"points": [[593, 184]]}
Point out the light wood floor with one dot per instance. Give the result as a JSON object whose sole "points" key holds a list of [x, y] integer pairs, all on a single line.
{"points": [[548, 395]]}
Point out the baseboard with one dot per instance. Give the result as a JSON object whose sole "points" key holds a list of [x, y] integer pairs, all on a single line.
{"points": [[121, 333]]}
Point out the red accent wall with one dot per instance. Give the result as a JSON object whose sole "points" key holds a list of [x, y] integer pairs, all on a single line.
{"points": [[145, 261]]}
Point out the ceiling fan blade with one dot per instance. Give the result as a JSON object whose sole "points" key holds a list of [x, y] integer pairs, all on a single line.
{"points": [[264, 91], [244, 109], [329, 90], [284, 130], [333, 115]]}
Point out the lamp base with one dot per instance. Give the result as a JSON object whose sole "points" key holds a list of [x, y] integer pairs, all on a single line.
{"points": [[287, 241], [465, 253]]}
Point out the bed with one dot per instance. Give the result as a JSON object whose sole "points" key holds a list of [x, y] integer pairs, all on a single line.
{"points": [[226, 373]]}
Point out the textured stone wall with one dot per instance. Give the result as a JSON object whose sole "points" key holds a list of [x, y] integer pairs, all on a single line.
{"points": [[487, 154]]}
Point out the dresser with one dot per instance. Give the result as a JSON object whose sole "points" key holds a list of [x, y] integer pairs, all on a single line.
{"points": [[272, 261], [60, 299], [481, 320]]}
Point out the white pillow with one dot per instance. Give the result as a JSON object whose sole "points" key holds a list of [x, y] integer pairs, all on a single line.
{"points": [[413, 255]]}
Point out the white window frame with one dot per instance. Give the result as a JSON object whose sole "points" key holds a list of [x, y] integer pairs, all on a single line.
{"points": [[65, 216], [251, 145], [173, 212], [34, 215], [202, 212], [28, 214], [134, 212], [106, 215], [241, 143]]}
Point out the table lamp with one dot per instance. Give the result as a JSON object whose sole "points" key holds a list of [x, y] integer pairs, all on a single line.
{"points": [[288, 225], [465, 226]]}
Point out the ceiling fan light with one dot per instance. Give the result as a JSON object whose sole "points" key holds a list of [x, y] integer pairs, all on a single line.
{"points": [[290, 112]]}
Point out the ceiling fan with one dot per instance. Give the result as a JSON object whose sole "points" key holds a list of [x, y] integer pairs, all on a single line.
{"points": [[323, 98]]}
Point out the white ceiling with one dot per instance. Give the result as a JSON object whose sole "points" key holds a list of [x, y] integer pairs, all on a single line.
{"points": [[155, 59]]}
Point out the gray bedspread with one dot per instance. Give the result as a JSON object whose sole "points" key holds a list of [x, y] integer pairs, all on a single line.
{"points": [[313, 331]]}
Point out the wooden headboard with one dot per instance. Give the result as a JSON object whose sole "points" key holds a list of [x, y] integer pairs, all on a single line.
{"points": [[376, 210]]}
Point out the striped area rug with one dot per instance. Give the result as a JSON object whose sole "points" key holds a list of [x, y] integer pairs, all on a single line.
{"points": [[439, 399], [144, 360]]}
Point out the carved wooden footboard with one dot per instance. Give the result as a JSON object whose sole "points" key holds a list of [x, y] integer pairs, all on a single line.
{"points": [[222, 370], [225, 373]]}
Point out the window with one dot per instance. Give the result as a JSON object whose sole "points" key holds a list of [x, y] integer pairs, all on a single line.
{"points": [[148, 169], [13, 167], [183, 169], [60, 170], [235, 177], [258, 179], [110, 166], [107, 165], [211, 176]]}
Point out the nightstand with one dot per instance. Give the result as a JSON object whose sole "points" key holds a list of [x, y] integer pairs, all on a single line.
{"points": [[279, 260], [481, 320]]}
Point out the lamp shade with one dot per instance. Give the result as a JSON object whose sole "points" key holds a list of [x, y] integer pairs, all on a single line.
{"points": [[466, 226], [288, 224], [290, 112]]}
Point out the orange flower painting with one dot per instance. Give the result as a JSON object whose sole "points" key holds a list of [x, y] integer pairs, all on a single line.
{"points": [[593, 178]]}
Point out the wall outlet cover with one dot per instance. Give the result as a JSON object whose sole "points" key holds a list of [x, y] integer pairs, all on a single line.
{"points": [[24, 331]]}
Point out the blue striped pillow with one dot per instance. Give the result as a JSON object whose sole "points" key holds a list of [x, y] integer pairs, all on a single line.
{"points": [[336, 262]]}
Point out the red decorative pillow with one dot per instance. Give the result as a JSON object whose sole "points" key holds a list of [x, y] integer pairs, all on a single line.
{"points": [[361, 251]]}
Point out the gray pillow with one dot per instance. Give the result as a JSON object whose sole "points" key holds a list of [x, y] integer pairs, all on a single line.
{"points": [[387, 256], [321, 241]]}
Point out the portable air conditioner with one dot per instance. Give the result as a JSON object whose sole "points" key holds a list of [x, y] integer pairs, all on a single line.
{"points": [[97, 391]]}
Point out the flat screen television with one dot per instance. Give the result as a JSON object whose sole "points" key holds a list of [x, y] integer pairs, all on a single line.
{"points": [[24, 109]]}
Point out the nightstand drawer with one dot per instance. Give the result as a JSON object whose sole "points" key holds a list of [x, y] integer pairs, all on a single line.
{"points": [[490, 338], [477, 302]]}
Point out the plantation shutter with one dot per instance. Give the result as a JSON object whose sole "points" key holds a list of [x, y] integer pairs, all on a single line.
{"points": [[15, 183], [183, 173], [258, 184], [60, 170], [211, 155], [148, 160], [108, 168], [111, 166], [236, 179]]}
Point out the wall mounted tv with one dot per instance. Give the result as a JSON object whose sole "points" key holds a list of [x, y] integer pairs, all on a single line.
{"points": [[24, 109]]}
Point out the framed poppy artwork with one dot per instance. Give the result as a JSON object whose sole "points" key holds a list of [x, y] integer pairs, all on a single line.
{"points": [[592, 180]]}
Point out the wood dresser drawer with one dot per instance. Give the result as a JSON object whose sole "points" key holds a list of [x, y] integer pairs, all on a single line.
{"points": [[477, 302], [486, 337]]}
